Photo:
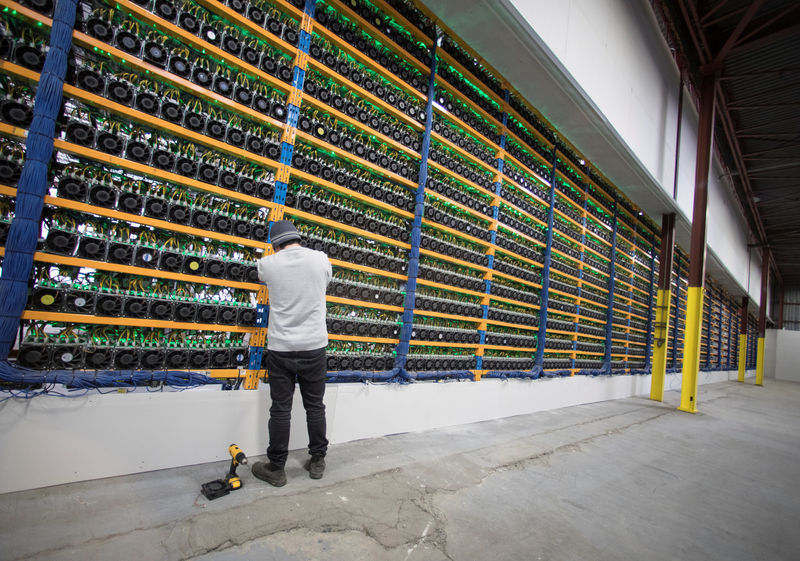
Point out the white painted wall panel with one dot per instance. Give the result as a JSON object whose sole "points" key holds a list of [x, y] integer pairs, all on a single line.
{"points": [[614, 51], [96, 436], [787, 355], [600, 71]]}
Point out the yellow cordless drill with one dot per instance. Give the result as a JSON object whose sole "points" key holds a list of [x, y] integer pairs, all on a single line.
{"points": [[221, 487]]}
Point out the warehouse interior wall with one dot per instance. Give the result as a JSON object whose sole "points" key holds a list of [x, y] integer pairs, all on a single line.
{"points": [[771, 352], [623, 81], [787, 354], [615, 99]]}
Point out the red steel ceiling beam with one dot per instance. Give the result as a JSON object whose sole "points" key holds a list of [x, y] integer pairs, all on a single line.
{"points": [[711, 63], [716, 64]]}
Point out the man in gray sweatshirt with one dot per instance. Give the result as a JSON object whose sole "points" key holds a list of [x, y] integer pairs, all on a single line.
{"points": [[297, 279]]}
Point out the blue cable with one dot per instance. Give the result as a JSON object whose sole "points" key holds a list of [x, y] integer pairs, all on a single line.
{"points": [[404, 343], [23, 233]]}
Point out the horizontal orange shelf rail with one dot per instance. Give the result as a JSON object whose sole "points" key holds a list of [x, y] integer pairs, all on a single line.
{"points": [[361, 339], [425, 282], [514, 325], [418, 312], [162, 224], [362, 303], [57, 259], [423, 343], [507, 348], [132, 322], [370, 270]]}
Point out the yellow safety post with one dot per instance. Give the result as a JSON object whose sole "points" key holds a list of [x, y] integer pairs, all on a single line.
{"points": [[660, 345], [663, 301], [742, 356], [760, 362], [697, 248], [743, 337], [691, 348]]}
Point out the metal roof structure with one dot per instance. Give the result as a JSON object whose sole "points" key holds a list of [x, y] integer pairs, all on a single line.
{"points": [[754, 48]]}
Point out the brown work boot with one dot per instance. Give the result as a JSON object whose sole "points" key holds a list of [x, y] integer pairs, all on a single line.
{"points": [[315, 467], [275, 476]]}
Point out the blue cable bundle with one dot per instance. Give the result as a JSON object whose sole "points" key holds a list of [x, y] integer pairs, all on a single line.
{"points": [[397, 376], [604, 371], [532, 374], [441, 375], [387, 376], [555, 373], [102, 378], [24, 231], [416, 228]]}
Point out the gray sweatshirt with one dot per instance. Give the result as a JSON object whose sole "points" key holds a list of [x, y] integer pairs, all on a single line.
{"points": [[297, 278]]}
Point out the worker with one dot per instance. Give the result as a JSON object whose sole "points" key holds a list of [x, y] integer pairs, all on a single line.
{"points": [[297, 278]]}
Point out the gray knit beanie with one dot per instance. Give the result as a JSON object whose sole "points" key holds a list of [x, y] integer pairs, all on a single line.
{"points": [[282, 232]]}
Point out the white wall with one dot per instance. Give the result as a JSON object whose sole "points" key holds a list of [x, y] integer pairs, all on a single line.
{"points": [[770, 352], [95, 436], [787, 355], [614, 51], [600, 71]]}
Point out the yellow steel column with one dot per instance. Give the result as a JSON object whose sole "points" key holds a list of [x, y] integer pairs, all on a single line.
{"points": [[743, 337], [742, 356], [660, 345], [663, 300], [697, 249], [760, 362], [691, 349]]}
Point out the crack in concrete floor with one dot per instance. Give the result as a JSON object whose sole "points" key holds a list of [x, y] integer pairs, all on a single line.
{"points": [[396, 510], [388, 507]]}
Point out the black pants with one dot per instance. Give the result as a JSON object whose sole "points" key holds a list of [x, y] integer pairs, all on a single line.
{"points": [[309, 368]]}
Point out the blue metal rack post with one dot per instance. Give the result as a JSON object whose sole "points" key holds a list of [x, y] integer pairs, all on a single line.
{"points": [[612, 272], [677, 311], [282, 183], [538, 364], [648, 344], [729, 362], [580, 270], [404, 344], [33, 183], [498, 187], [709, 305]]}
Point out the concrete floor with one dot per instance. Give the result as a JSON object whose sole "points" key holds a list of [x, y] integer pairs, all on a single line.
{"points": [[628, 479]]}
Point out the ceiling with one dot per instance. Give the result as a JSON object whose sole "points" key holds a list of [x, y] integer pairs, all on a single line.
{"points": [[754, 49]]}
